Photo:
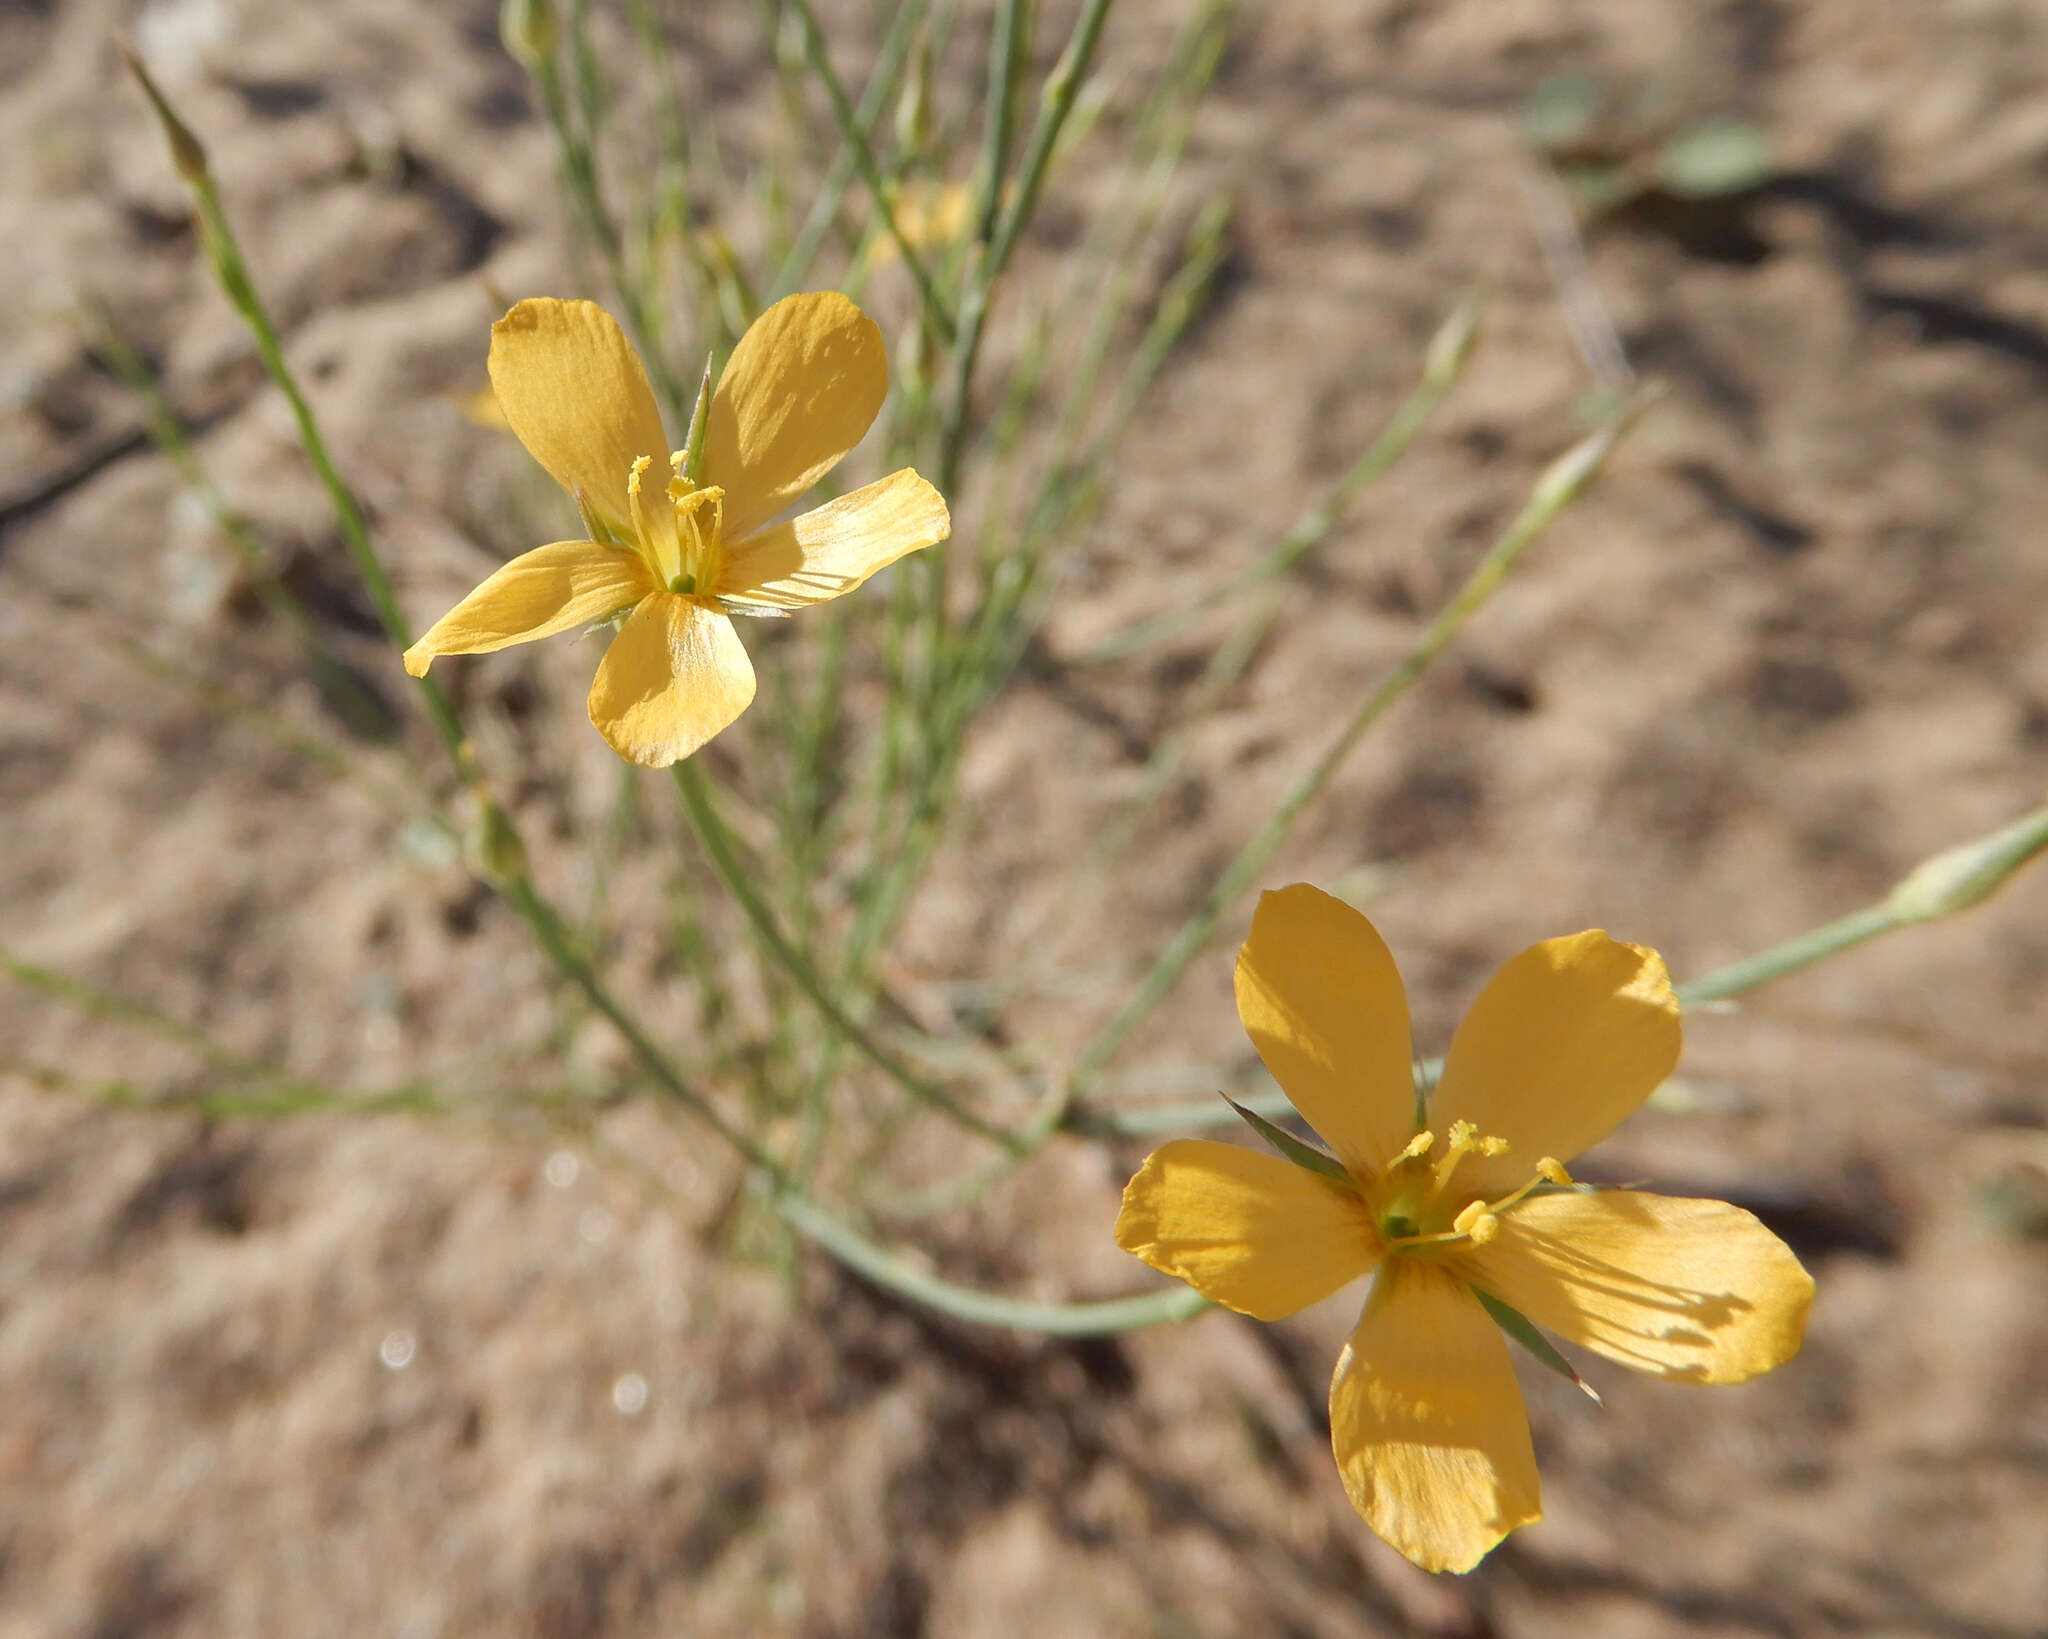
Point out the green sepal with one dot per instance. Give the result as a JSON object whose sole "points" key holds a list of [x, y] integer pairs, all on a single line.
{"points": [[1519, 1327], [700, 415], [1292, 1148]]}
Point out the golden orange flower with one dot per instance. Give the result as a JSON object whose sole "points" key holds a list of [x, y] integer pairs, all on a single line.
{"points": [[668, 558], [1459, 1206]]}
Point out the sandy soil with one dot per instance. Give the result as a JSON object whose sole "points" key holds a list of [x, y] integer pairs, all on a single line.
{"points": [[385, 1375]]}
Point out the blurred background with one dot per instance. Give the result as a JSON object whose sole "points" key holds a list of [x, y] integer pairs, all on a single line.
{"points": [[337, 1371]]}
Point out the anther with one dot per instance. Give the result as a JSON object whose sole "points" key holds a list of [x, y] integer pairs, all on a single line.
{"points": [[640, 464], [1551, 1170], [1418, 1146], [1477, 1221]]}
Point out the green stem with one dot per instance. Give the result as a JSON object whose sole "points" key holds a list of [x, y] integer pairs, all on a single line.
{"points": [[233, 273], [553, 936], [555, 940], [838, 1240], [855, 137], [1947, 884], [1446, 358], [1815, 945], [119, 1010], [718, 846], [1554, 491], [1056, 102], [983, 1308], [1005, 63], [803, 249]]}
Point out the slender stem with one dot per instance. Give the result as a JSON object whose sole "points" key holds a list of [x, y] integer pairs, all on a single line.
{"points": [[1555, 490], [118, 1009], [233, 274], [555, 940], [1445, 361], [855, 137], [579, 173], [1802, 950], [982, 1308], [803, 249], [1005, 63], [1056, 102], [364, 711], [718, 846], [837, 1239], [1815, 945]]}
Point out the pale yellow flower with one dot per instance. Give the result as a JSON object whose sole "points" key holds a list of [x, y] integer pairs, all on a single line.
{"points": [[669, 558], [926, 213], [1425, 1418]]}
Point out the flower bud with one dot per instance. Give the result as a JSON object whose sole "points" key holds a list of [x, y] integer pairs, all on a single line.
{"points": [[529, 30], [1960, 877], [187, 155], [493, 847]]}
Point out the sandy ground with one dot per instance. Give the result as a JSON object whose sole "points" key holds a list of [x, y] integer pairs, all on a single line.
{"points": [[396, 1376]]}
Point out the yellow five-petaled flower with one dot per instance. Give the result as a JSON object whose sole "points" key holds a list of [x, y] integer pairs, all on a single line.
{"points": [[1425, 1418], [668, 556]]}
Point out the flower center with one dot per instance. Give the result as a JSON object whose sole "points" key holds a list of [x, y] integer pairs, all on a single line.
{"points": [[1420, 1207], [683, 545]]}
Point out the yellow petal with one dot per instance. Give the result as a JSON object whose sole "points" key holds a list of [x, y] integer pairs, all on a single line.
{"points": [[1697, 1290], [674, 676], [1427, 1422], [800, 390], [573, 390], [1249, 1231], [1323, 1004], [537, 594], [1564, 1043], [832, 549]]}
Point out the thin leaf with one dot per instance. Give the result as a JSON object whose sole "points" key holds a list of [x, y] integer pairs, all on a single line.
{"points": [[1302, 1155], [1519, 1327]]}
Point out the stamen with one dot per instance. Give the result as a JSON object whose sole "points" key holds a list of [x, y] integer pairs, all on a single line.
{"points": [[700, 515], [1464, 1139], [1551, 1171], [1418, 1146], [1477, 1221], [640, 464]]}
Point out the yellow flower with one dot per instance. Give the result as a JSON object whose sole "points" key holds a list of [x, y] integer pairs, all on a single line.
{"points": [[668, 558], [1425, 1418], [926, 213]]}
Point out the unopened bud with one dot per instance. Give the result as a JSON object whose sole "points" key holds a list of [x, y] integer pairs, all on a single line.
{"points": [[493, 847], [914, 109], [1960, 877], [186, 154], [529, 30], [1452, 344]]}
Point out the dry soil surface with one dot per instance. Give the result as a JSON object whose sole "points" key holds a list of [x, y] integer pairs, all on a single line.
{"points": [[387, 1375]]}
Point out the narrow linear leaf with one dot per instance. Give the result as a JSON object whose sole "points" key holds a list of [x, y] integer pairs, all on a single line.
{"points": [[1302, 1155], [1518, 1326]]}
